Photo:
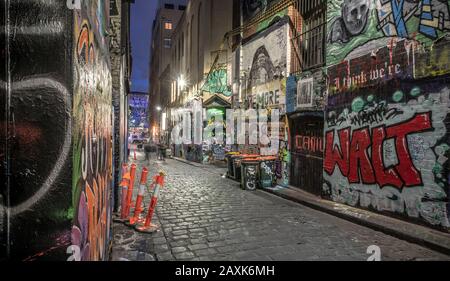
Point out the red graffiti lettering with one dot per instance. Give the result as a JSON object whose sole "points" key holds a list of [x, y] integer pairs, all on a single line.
{"points": [[352, 158], [359, 160], [384, 176], [307, 143], [333, 155]]}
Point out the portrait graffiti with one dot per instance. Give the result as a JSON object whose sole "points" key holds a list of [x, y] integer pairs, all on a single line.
{"points": [[353, 21]]}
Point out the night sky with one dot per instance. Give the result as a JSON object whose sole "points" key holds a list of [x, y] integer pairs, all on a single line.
{"points": [[142, 15]]}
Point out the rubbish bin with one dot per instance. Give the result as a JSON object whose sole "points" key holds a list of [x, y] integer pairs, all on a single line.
{"points": [[250, 173], [230, 163], [267, 171], [237, 164]]}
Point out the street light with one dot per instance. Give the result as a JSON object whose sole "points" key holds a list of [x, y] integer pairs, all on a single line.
{"points": [[158, 108], [181, 82]]}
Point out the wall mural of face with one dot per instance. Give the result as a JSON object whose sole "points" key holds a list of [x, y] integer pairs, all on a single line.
{"points": [[262, 70], [355, 14], [352, 22]]}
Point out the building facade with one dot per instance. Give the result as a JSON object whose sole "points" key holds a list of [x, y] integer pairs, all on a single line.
{"points": [[200, 69], [167, 17]]}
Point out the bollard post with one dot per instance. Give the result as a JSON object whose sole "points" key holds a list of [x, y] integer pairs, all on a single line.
{"points": [[137, 209], [148, 227], [129, 196], [124, 186]]}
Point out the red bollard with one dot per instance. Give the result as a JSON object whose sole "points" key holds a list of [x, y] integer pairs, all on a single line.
{"points": [[124, 169], [124, 185], [130, 191], [137, 209], [148, 227]]}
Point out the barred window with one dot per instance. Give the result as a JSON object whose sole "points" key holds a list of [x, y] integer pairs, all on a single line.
{"points": [[309, 41]]}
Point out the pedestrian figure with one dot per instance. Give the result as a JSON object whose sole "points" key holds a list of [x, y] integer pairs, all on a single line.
{"points": [[148, 151]]}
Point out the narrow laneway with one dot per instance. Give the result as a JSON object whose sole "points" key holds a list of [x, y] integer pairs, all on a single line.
{"points": [[204, 216]]}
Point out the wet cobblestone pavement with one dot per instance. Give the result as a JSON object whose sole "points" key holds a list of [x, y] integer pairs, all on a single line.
{"points": [[204, 216]]}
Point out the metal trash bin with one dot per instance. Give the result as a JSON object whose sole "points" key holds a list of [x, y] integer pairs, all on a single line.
{"points": [[237, 164], [250, 174], [267, 172], [237, 167], [230, 164]]}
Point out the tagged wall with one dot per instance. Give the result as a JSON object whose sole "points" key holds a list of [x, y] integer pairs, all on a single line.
{"points": [[386, 128], [59, 127], [37, 124], [92, 148]]}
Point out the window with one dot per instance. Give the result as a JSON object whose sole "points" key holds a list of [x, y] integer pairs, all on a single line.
{"points": [[167, 43], [181, 7], [168, 25], [169, 6], [310, 43]]}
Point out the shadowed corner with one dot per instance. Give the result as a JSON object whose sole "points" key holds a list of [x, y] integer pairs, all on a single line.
{"points": [[2, 230]]}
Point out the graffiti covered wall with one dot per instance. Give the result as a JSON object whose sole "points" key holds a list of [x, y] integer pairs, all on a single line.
{"points": [[92, 148], [264, 68], [38, 128], [358, 25], [386, 132]]}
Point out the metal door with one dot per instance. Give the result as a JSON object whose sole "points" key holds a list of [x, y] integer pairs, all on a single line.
{"points": [[307, 146]]}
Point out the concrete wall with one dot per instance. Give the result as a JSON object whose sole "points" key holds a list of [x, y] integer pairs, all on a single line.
{"points": [[56, 126], [386, 127]]}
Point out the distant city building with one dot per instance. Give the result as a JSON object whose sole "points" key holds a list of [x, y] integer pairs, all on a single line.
{"points": [[167, 17]]}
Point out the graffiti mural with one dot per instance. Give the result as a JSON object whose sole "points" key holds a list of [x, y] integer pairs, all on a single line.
{"points": [[356, 25], [351, 22], [386, 150], [431, 16], [252, 7], [35, 203], [264, 68], [394, 61], [217, 82], [92, 159]]}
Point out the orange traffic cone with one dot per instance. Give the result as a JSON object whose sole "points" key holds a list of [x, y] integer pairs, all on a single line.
{"points": [[137, 209], [148, 227]]}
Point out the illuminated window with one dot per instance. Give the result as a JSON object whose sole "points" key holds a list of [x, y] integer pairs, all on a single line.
{"points": [[168, 26]]}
